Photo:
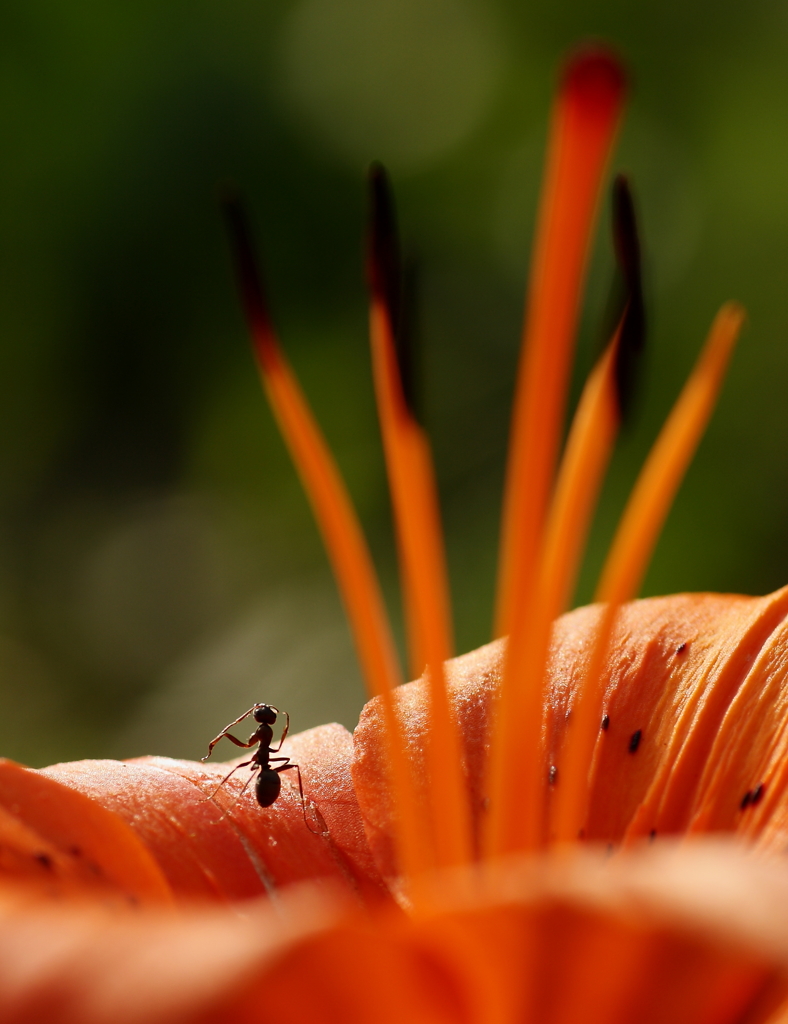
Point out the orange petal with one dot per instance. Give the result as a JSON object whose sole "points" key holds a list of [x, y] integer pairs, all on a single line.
{"points": [[681, 662], [77, 963], [471, 682], [222, 845], [697, 714], [559, 940], [662, 936], [57, 838]]}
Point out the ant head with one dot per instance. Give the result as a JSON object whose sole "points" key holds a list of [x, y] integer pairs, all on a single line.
{"points": [[265, 713]]}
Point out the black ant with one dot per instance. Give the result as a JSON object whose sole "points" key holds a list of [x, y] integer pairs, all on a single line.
{"points": [[268, 784]]}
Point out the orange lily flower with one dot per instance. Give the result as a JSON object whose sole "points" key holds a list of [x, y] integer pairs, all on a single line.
{"points": [[521, 835]]}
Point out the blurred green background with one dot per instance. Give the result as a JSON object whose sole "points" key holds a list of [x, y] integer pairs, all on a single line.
{"points": [[159, 568]]}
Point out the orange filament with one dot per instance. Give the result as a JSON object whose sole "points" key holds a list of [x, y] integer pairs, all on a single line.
{"points": [[414, 497], [631, 551], [583, 466], [582, 132], [344, 543], [664, 469]]}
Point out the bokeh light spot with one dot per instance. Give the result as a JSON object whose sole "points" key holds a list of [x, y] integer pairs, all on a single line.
{"points": [[399, 80]]}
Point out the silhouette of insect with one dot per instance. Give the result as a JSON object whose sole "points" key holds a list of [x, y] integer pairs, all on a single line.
{"points": [[268, 782]]}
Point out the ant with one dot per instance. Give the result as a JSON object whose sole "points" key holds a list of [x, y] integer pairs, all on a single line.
{"points": [[268, 782]]}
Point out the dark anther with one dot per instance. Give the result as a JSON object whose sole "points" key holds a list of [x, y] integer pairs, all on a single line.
{"points": [[605, 722], [395, 288], [746, 800], [244, 259], [681, 648], [757, 794], [634, 740], [630, 305], [384, 267], [552, 775]]}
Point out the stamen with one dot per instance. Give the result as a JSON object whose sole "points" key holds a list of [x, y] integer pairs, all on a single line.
{"points": [[582, 132], [583, 128], [602, 406], [341, 533], [583, 466], [587, 454], [414, 497], [384, 279], [664, 469], [631, 551], [585, 460]]}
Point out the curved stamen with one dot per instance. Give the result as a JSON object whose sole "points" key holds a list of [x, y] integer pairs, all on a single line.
{"points": [[414, 497], [631, 551], [583, 128], [342, 537]]}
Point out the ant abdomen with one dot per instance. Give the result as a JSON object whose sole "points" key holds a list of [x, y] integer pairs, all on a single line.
{"points": [[267, 786]]}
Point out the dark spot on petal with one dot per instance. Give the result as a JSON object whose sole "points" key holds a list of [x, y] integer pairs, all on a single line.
{"points": [[652, 835], [681, 648], [44, 860], [75, 851], [634, 741], [757, 794], [746, 800], [606, 722], [552, 775]]}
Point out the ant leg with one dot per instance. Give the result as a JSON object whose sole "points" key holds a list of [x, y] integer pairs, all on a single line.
{"points": [[245, 785], [233, 739], [227, 810], [244, 764], [285, 731], [286, 767], [227, 728]]}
